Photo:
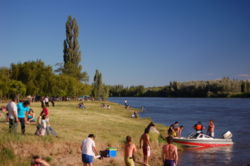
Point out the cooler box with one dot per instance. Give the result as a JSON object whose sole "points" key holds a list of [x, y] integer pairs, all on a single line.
{"points": [[112, 152]]}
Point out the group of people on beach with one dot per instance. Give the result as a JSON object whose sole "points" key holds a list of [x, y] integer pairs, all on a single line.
{"points": [[169, 150], [20, 112]]}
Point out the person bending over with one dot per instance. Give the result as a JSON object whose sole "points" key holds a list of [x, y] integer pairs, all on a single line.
{"points": [[88, 150]]}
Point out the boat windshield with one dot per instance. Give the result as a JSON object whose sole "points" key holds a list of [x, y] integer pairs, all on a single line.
{"points": [[198, 135]]}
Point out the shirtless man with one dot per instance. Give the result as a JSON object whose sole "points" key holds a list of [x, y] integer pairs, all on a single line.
{"points": [[130, 149], [210, 129], [169, 153], [145, 145]]}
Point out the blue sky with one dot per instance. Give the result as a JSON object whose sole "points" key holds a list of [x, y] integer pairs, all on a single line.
{"points": [[133, 42]]}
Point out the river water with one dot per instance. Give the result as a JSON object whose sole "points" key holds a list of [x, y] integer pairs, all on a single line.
{"points": [[228, 114]]}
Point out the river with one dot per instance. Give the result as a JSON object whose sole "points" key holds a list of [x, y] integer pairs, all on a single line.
{"points": [[228, 113]]}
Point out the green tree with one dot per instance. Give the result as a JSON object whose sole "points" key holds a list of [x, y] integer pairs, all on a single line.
{"points": [[16, 88], [71, 52], [4, 81], [99, 89], [35, 75]]}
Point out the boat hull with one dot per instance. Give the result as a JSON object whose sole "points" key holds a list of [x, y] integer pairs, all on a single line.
{"points": [[203, 142]]}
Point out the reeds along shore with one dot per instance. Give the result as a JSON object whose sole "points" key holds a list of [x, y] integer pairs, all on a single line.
{"points": [[72, 124]]}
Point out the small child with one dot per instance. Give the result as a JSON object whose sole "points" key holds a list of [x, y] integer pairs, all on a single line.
{"points": [[31, 116], [44, 125]]}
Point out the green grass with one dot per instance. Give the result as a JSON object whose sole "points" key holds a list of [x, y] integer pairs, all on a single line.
{"points": [[73, 125]]}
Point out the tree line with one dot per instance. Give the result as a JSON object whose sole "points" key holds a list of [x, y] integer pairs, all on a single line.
{"points": [[35, 78], [225, 87]]}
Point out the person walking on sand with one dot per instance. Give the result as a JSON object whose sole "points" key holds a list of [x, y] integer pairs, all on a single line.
{"points": [[210, 129], [145, 145], [169, 153], [23, 109], [130, 150], [12, 113], [88, 150]]}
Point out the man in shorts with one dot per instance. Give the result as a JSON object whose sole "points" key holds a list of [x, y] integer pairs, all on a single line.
{"points": [[169, 153], [88, 150], [130, 150]]}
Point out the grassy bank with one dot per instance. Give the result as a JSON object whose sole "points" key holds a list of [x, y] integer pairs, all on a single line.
{"points": [[73, 125]]}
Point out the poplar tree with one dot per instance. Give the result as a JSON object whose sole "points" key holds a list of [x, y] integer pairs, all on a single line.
{"points": [[97, 85], [71, 51], [99, 89]]}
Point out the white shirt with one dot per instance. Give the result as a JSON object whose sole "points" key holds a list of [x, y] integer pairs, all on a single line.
{"points": [[12, 109], [44, 123], [87, 146], [46, 99]]}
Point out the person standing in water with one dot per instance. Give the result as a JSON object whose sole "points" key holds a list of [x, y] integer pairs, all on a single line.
{"points": [[169, 153]]}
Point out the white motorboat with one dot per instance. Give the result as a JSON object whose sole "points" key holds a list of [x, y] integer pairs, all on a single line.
{"points": [[203, 140]]}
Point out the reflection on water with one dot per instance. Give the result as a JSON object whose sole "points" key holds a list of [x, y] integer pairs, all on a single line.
{"points": [[204, 156]]}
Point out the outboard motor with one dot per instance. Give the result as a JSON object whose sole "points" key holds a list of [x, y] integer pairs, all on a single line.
{"points": [[227, 135]]}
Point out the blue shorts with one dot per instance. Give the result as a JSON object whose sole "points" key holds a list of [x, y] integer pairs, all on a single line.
{"points": [[87, 158], [169, 163]]}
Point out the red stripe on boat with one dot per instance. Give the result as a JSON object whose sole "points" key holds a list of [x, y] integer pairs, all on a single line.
{"points": [[201, 144]]}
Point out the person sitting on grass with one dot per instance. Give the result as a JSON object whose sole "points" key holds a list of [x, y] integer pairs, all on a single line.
{"points": [[81, 105], [5, 110], [31, 116], [134, 115], [108, 106]]}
